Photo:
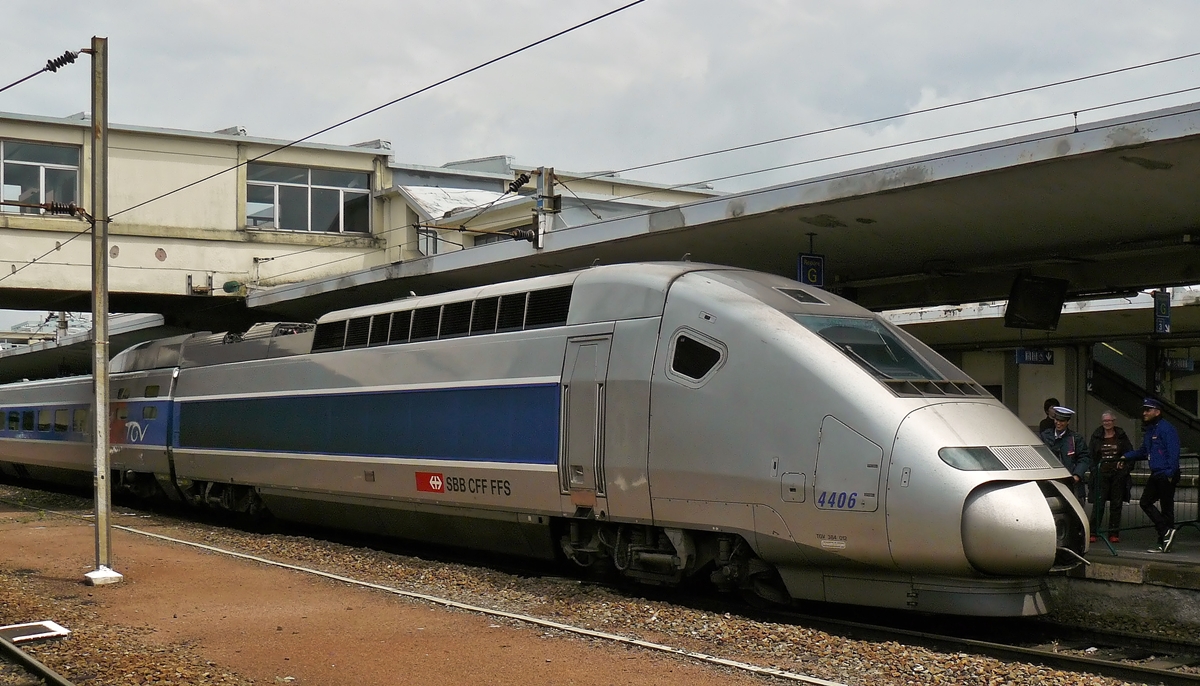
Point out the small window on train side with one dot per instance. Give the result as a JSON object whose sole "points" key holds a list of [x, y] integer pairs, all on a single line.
{"points": [[380, 326], [61, 420], [122, 393], [122, 413], [45, 417], [483, 319], [425, 323], [79, 421], [512, 312], [401, 321], [151, 391], [358, 332], [329, 336], [27, 420], [149, 412], [14, 421], [694, 358]]}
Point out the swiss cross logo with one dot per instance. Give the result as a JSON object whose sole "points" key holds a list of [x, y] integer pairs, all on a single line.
{"points": [[430, 482]]}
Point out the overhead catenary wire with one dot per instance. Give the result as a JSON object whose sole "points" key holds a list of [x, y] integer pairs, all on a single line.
{"points": [[384, 105], [52, 65], [947, 155], [879, 120]]}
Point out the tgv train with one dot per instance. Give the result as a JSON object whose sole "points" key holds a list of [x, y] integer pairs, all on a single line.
{"points": [[658, 421]]}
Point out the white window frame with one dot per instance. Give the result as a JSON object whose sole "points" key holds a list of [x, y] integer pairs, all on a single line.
{"points": [[42, 167], [308, 188]]}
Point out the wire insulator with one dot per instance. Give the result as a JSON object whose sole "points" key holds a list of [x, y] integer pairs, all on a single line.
{"points": [[523, 234], [515, 184], [55, 64], [61, 208]]}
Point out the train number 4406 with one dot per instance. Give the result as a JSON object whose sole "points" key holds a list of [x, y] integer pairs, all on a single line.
{"points": [[837, 500]]}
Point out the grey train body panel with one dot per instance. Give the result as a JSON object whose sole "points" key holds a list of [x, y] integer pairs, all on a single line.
{"points": [[682, 419]]}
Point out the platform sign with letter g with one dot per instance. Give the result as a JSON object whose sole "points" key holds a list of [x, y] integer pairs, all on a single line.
{"points": [[810, 270]]}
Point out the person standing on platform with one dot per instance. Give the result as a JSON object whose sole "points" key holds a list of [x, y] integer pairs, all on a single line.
{"points": [[1160, 445], [1110, 474], [1048, 421], [1069, 446]]}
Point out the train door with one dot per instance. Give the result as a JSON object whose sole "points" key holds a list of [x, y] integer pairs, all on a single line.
{"points": [[581, 462]]}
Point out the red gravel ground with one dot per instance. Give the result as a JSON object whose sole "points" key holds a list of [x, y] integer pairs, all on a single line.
{"points": [[260, 624]]}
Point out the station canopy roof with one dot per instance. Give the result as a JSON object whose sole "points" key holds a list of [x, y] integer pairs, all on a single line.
{"points": [[1112, 207]]}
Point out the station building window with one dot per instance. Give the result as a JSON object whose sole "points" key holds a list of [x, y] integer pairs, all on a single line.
{"points": [[300, 199], [37, 173]]}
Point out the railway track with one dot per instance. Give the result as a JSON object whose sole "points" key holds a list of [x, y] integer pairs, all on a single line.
{"points": [[19, 668], [1130, 657], [1121, 655]]}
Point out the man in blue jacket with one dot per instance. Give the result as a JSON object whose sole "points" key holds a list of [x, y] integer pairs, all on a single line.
{"points": [[1160, 445], [1069, 446]]}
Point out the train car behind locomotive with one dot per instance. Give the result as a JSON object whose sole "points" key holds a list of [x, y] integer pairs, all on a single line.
{"points": [[658, 420]]}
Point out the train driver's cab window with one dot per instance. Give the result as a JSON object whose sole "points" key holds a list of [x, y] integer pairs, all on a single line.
{"points": [[871, 345], [694, 358]]}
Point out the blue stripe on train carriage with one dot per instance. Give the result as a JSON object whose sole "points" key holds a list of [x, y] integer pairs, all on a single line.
{"points": [[514, 424]]}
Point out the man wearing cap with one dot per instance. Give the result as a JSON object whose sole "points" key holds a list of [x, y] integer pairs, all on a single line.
{"points": [[1069, 446], [1160, 445]]}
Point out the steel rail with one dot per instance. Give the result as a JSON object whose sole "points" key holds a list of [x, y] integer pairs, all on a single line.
{"points": [[1003, 651], [31, 663]]}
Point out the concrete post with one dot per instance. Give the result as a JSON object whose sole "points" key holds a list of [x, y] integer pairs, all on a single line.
{"points": [[103, 574]]}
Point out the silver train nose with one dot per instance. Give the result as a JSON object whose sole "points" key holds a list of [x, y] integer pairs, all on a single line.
{"points": [[1008, 529]]}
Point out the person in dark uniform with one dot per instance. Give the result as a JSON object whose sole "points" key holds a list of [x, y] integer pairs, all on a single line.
{"points": [[1047, 421], [1069, 446], [1160, 445], [1110, 474]]}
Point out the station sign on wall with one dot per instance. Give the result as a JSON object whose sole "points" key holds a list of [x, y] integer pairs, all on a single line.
{"points": [[1035, 356]]}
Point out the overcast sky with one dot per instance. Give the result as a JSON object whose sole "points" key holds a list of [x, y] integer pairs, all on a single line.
{"points": [[663, 79]]}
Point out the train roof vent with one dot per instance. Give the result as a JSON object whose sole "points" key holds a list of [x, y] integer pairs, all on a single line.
{"points": [[927, 388], [548, 307]]}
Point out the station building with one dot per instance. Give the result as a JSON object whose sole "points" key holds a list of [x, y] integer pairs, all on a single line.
{"points": [[199, 216]]}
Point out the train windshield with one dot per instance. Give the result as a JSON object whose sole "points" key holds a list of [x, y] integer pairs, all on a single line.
{"points": [[871, 345]]}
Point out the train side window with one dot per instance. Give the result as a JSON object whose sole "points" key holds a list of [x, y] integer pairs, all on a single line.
{"points": [[61, 420], [27, 420], [693, 358], [122, 393], [380, 326], [14, 421], [400, 325], [512, 312], [45, 417], [151, 391], [425, 324], [149, 412], [483, 319], [79, 421], [123, 413]]}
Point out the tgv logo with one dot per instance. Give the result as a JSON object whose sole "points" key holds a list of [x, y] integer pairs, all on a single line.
{"points": [[134, 432]]}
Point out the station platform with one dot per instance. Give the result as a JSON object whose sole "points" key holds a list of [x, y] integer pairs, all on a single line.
{"points": [[1126, 584]]}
